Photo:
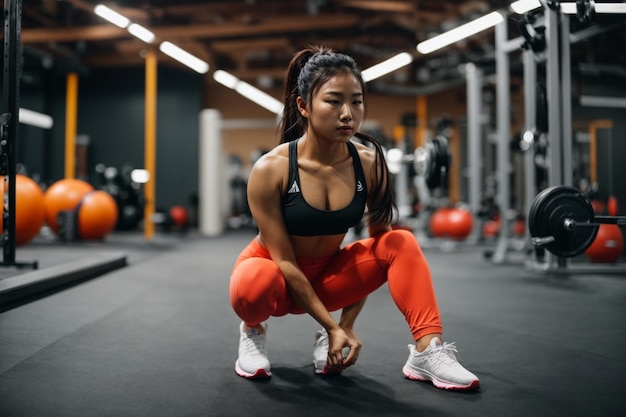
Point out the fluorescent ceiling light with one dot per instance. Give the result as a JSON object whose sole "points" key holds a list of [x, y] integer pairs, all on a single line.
{"points": [[112, 16], [523, 6], [617, 8], [461, 32], [248, 91], [141, 33], [259, 97], [33, 118], [387, 66], [225, 79], [602, 8], [598, 101], [184, 57]]}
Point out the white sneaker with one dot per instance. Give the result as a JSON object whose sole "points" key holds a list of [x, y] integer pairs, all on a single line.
{"points": [[438, 364], [252, 361], [320, 354]]}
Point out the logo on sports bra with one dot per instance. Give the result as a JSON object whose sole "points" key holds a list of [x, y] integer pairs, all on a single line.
{"points": [[294, 188], [359, 186]]}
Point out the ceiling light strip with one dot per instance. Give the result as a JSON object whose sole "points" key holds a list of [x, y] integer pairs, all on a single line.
{"points": [[111, 16], [148, 36], [33, 118], [387, 66], [464, 31]]}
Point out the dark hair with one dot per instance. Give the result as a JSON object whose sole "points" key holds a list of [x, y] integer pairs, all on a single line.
{"points": [[308, 70]]}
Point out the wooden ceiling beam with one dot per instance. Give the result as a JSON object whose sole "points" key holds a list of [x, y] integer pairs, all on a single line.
{"points": [[381, 6], [267, 26]]}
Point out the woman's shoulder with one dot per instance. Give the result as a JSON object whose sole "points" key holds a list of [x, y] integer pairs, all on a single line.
{"points": [[367, 154], [273, 161]]}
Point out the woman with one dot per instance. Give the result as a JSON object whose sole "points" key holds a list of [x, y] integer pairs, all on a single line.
{"points": [[304, 195]]}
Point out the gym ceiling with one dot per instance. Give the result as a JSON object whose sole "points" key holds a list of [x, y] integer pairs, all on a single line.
{"points": [[255, 39]]}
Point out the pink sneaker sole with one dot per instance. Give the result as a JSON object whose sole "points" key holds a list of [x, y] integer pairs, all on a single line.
{"points": [[260, 373]]}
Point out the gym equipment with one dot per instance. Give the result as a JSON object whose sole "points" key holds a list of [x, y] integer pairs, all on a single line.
{"points": [[612, 208], [29, 209], [608, 245], [179, 216], [97, 215], [451, 222], [460, 223], [63, 195], [431, 161], [562, 220], [439, 222], [9, 126], [127, 193]]}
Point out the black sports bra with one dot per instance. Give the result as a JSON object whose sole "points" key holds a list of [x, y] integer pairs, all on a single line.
{"points": [[303, 220]]}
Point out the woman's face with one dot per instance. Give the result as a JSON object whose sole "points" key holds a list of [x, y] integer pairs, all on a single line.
{"points": [[337, 110]]}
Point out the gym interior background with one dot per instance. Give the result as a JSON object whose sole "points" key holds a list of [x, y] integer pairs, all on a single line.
{"points": [[53, 329]]}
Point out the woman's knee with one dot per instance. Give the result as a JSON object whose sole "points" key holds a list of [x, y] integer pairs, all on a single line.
{"points": [[400, 240], [253, 281]]}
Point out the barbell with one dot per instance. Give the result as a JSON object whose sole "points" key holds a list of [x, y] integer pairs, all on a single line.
{"points": [[562, 220], [431, 161]]}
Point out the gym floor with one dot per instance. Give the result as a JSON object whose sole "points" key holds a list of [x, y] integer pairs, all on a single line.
{"points": [[157, 337]]}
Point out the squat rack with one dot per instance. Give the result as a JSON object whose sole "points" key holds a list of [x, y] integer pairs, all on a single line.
{"points": [[9, 127]]}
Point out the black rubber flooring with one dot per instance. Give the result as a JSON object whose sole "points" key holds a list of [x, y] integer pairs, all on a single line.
{"points": [[158, 338]]}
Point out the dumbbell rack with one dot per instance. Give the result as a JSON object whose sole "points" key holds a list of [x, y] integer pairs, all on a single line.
{"points": [[9, 124]]}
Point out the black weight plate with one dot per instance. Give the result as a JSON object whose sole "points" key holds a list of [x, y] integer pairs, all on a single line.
{"points": [[548, 212]]}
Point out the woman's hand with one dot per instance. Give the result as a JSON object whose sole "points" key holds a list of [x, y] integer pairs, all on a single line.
{"points": [[343, 348]]}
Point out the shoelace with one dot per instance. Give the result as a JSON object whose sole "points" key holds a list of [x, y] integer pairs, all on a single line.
{"points": [[255, 344], [446, 352]]}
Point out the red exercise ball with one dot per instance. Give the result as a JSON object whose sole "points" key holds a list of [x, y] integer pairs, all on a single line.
{"points": [[460, 223], [607, 246], [64, 195], [598, 206], [29, 209], [97, 215], [612, 207], [179, 216], [491, 228], [439, 222], [519, 227]]}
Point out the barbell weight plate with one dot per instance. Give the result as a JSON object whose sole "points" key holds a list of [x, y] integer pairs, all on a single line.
{"points": [[547, 214]]}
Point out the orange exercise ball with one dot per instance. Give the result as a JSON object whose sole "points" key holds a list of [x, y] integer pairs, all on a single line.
{"points": [[179, 216], [64, 195], [29, 209], [439, 222], [608, 245], [460, 223], [97, 215]]}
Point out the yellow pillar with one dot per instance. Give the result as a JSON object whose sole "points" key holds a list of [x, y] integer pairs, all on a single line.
{"points": [[71, 109], [593, 146], [421, 133], [150, 142]]}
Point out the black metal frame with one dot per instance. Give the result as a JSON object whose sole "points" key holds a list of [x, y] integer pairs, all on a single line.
{"points": [[9, 126]]}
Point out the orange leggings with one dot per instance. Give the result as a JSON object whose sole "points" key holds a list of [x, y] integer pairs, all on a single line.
{"points": [[258, 289]]}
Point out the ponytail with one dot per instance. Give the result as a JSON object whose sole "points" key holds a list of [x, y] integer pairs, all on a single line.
{"points": [[292, 124], [383, 211]]}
